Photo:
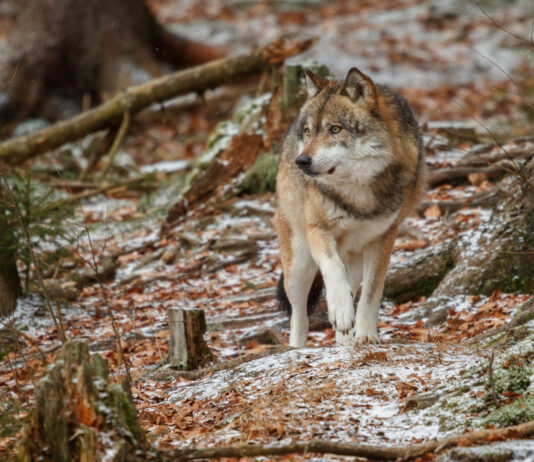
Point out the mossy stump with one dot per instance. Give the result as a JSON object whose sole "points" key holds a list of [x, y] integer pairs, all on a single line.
{"points": [[187, 347], [79, 415]]}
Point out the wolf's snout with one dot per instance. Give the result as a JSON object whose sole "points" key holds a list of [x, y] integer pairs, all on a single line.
{"points": [[303, 161]]}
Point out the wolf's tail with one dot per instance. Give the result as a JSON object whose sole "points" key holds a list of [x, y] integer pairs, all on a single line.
{"points": [[313, 296]]}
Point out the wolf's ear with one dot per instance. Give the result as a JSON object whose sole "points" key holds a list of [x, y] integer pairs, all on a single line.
{"points": [[314, 84], [358, 85]]}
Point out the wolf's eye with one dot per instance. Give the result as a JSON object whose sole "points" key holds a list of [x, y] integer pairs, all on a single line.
{"points": [[335, 129], [307, 131]]}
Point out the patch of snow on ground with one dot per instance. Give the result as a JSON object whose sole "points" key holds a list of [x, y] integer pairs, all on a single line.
{"points": [[346, 393]]}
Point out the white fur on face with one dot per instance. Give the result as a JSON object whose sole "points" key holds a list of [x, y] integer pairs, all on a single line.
{"points": [[358, 164]]}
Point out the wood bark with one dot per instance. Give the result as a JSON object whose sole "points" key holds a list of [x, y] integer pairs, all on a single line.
{"points": [[10, 288], [187, 348], [134, 99]]}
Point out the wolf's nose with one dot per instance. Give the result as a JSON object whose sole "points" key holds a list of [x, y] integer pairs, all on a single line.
{"points": [[303, 161]]}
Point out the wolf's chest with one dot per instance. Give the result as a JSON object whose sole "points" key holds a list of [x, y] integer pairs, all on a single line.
{"points": [[353, 235]]}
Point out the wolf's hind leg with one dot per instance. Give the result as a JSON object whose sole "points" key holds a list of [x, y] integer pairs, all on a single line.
{"points": [[375, 265], [297, 281], [354, 267]]}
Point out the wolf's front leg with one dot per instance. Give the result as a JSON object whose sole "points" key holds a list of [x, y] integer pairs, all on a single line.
{"points": [[339, 297], [354, 267], [375, 265], [299, 273]]}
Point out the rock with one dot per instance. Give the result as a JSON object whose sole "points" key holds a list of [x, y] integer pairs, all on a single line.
{"points": [[106, 272], [270, 336], [169, 255], [59, 289], [190, 240]]}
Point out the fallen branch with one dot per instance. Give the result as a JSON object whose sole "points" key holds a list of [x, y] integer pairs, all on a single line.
{"points": [[197, 79], [221, 366], [484, 158], [453, 174], [372, 452], [481, 199], [95, 192], [525, 314]]}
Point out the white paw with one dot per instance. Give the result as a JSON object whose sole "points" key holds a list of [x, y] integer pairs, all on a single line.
{"points": [[341, 311], [368, 336], [345, 339]]}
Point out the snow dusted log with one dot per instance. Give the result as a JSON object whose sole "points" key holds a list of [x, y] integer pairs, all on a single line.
{"points": [[196, 79], [187, 348]]}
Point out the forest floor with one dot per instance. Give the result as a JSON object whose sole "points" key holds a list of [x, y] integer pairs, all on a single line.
{"points": [[425, 380]]}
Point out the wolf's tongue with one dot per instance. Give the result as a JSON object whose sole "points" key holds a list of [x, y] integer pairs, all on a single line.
{"points": [[332, 170]]}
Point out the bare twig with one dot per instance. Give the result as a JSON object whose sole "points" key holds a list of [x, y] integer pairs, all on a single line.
{"points": [[491, 380], [117, 141], [500, 26], [94, 266]]}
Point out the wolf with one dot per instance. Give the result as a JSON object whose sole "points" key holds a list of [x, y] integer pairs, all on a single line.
{"points": [[351, 169]]}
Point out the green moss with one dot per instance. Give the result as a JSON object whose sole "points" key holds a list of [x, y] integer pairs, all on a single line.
{"points": [[522, 410], [511, 270], [123, 413], [100, 367], [515, 378], [261, 177]]}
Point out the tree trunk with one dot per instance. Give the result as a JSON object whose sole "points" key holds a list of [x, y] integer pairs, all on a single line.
{"points": [[9, 282], [92, 48], [9, 277]]}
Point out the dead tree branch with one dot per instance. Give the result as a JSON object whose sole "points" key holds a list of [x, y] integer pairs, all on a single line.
{"points": [[197, 79], [221, 366], [371, 452]]}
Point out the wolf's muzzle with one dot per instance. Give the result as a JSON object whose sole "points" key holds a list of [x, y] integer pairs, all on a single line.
{"points": [[303, 162]]}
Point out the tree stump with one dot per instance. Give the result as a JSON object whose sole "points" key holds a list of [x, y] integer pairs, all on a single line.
{"points": [[187, 348], [79, 415]]}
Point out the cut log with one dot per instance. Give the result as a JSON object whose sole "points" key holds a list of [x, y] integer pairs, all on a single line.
{"points": [[134, 99], [187, 348]]}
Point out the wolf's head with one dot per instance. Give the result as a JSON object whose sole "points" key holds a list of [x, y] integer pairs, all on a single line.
{"points": [[341, 134]]}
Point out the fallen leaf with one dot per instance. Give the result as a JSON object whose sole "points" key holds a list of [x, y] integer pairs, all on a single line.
{"points": [[476, 179], [432, 212]]}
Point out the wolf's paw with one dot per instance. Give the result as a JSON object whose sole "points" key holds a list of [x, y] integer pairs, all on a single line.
{"points": [[342, 316], [345, 339], [366, 337]]}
